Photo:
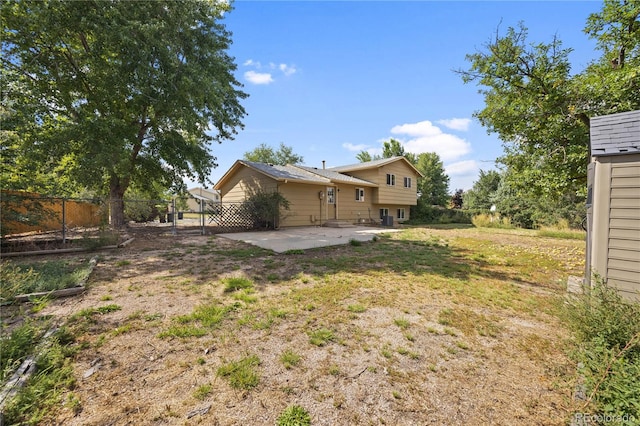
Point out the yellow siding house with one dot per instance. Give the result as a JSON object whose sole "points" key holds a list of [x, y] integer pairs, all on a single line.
{"points": [[360, 193]]}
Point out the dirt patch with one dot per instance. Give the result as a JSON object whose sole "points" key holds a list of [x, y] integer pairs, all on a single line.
{"points": [[394, 357]]}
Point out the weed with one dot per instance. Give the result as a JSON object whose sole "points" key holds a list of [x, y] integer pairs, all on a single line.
{"points": [[202, 391], [334, 370], [355, 243], [402, 323], [237, 283], [121, 263], [294, 251], [410, 337], [201, 361], [45, 389], [356, 309], [321, 337], [294, 415], [106, 298], [290, 359], [396, 395], [608, 330], [241, 374]]}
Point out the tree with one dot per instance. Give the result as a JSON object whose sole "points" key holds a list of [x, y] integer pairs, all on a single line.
{"points": [[457, 199], [266, 154], [541, 111], [121, 92], [483, 193], [364, 156], [433, 188]]}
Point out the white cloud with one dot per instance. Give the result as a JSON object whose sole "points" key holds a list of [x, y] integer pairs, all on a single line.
{"points": [[287, 69], [354, 148], [463, 168], [249, 62], [258, 77], [461, 124], [425, 137]]}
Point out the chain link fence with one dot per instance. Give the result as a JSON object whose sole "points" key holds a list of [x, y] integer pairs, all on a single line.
{"points": [[27, 213]]}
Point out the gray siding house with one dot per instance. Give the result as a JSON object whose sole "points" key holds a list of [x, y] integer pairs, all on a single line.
{"points": [[613, 204]]}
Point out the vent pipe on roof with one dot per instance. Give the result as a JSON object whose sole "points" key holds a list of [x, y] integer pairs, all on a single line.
{"points": [[322, 164]]}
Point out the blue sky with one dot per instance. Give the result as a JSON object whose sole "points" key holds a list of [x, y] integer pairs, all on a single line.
{"points": [[333, 78]]}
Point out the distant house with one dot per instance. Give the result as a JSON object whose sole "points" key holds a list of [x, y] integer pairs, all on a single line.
{"points": [[200, 195], [360, 193], [613, 204]]}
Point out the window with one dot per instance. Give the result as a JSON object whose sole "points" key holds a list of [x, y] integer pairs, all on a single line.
{"points": [[407, 182], [359, 194], [384, 212], [391, 179], [400, 214]]}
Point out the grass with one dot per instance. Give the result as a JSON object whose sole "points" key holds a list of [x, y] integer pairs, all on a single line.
{"points": [[437, 303], [199, 323], [237, 283], [294, 415], [241, 374], [33, 277], [289, 359], [321, 337]]}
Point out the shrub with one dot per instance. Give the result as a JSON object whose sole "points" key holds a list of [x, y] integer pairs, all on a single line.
{"points": [[607, 329]]}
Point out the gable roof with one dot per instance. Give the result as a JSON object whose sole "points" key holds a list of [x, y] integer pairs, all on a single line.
{"points": [[336, 177], [615, 134], [374, 164], [276, 172]]}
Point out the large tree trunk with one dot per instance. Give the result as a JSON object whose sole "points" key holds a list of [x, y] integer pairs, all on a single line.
{"points": [[116, 203]]}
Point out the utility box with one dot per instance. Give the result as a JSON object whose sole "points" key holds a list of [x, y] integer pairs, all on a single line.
{"points": [[387, 220]]}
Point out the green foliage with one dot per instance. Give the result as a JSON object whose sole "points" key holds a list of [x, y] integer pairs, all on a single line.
{"points": [[16, 347], [237, 283], [266, 154], [242, 374], [24, 278], [491, 221], [433, 188], [266, 208], [294, 415], [44, 391], [607, 329], [114, 93], [483, 193], [290, 359], [541, 109], [423, 213], [321, 337]]}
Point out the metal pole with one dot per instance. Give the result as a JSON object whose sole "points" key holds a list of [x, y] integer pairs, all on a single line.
{"points": [[173, 210], [64, 225]]}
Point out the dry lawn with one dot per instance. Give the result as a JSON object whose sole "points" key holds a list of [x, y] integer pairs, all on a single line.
{"points": [[427, 326]]}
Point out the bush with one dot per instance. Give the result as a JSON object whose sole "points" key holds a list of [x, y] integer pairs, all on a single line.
{"points": [[422, 214], [491, 221], [607, 329]]}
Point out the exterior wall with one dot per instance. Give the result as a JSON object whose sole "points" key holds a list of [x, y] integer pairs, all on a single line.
{"points": [[392, 195], [616, 222], [244, 183], [193, 204], [305, 206], [397, 194], [352, 210]]}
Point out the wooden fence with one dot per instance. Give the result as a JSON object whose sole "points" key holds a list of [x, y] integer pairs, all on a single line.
{"points": [[28, 212]]}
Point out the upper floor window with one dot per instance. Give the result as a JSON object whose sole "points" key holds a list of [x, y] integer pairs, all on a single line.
{"points": [[359, 194], [391, 179], [407, 182]]}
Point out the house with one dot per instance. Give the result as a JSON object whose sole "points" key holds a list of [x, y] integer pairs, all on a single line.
{"points": [[613, 202], [199, 195], [360, 193]]}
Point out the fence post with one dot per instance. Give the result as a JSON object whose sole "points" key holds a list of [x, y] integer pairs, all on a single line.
{"points": [[174, 216], [64, 220]]}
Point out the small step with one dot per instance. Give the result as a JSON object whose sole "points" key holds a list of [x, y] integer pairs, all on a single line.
{"points": [[335, 223]]}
